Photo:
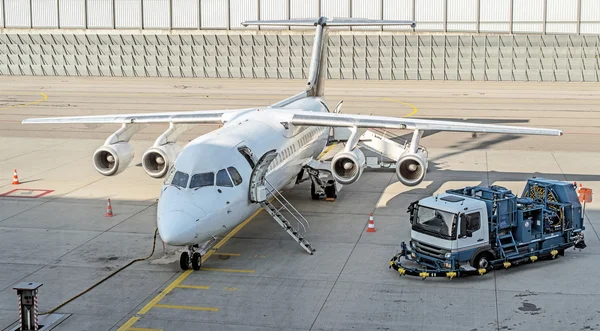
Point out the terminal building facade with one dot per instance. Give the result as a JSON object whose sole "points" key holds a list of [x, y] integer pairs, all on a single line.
{"points": [[507, 40]]}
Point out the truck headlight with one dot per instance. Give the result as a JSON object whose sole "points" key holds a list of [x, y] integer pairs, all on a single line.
{"points": [[413, 255], [448, 255], [413, 245]]}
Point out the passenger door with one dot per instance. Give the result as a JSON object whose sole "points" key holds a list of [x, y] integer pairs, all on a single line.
{"points": [[471, 232]]}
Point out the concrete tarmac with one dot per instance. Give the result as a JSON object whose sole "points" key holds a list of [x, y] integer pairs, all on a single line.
{"points": [[53, 229]]}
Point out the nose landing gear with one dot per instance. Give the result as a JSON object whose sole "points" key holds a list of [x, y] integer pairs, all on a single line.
{"points": [[191, 256], [194, 254]]}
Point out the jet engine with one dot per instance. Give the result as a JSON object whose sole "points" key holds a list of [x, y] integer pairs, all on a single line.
{"points": [[347, 166], [112, 159], [411, 167], [158, 159]]}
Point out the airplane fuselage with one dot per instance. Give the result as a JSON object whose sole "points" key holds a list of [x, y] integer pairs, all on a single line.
{"points": [[193, 208]]}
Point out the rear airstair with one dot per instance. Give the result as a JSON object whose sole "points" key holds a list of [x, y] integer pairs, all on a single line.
{"points": [[275, 204]]}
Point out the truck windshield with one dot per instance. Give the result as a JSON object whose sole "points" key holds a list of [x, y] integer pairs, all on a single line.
{"points": [[435, 222]]}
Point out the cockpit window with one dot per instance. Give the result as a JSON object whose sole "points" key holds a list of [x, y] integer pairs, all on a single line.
{"points": [[201, 180], [223, 179], [180, 179], [170, 176], [235, 175]]}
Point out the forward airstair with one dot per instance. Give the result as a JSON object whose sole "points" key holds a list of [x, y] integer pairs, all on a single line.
{"points": [[274, 203], [277, 212]]}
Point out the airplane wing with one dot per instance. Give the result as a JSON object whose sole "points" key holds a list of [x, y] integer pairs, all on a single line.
{"points": [[366, 121], [201, 116]]}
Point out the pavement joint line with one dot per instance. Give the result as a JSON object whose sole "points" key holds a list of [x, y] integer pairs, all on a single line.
{"points": [[51, 169], [185, 274], [187, 307], [346, 262], [229, 270], [34, 151], [197, 287], [44, 98], [230, 254], [50, 200], [129, 323]]}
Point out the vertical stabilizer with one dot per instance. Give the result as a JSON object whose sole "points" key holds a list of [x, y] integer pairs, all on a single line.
{"points": [[315, 86]]}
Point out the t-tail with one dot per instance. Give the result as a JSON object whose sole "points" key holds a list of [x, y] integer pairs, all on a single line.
{"points": [[318, 61]]}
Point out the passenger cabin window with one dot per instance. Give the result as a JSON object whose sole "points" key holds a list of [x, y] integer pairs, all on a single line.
{"points": [[180, 179], [223, 179], [235, 176], [473, 221], [201, 180]]}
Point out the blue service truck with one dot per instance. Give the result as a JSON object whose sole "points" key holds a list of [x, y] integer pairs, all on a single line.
{"points": [[472, 230]]}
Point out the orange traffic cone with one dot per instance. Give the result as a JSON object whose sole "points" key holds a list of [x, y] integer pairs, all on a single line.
{"points": [[371, 226], [15, 178], [109, 212]]}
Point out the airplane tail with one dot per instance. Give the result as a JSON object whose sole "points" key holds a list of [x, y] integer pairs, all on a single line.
{"points": [[315, 86]]}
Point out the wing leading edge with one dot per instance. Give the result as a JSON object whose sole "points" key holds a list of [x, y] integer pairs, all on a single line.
{"points": [[384, 122], [207, 116]]}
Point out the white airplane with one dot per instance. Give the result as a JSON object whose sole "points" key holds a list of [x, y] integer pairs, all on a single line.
{"points": [[221, 178]]}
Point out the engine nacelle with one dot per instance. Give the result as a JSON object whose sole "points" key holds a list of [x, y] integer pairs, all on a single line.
{"points": [[411, 168], [112, 159], [157, 160], [346, 167]]}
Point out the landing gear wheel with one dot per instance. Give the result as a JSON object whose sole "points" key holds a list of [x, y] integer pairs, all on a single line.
{"points": [[330, 192], [184, 261], [196, 261], [313, 192]]}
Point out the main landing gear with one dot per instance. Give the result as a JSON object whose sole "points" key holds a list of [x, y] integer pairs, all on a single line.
{"points": [[327, 191]]}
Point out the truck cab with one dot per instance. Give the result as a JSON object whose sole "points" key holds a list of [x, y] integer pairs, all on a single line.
{"points": [[449, 230]]}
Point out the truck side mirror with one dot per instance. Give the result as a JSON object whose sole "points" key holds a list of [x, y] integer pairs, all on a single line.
{"points": [[463, 226]]}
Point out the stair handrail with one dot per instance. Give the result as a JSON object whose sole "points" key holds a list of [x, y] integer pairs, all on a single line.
{"points": [[294, 212]]}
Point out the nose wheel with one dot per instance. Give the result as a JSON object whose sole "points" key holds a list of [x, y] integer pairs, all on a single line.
{"points": [[196, 261], [184, 261], [190, 257]]}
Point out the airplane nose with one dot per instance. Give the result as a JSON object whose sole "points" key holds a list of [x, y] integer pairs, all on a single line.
{"points": [[177, 228]]}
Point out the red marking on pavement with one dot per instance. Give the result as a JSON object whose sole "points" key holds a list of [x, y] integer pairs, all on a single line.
{"points": [[25, 193]]}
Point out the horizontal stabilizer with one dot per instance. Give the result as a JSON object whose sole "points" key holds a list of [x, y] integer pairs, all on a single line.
{"points": [[330, 22]]}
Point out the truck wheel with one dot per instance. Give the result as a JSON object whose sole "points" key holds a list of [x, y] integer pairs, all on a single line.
{"points": [[482, 261]]}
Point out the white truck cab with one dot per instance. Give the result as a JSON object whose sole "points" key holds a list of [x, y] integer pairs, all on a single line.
{"points": [[451, 228]]}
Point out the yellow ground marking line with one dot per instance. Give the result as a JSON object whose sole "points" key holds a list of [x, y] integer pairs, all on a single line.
{"points": [[143, 329], [129, 323], [323, 153], [164, 292], [187, 307], [229, 254], [228, 270], [44, 98], [185, 274], [414, 108], [197, 287]]}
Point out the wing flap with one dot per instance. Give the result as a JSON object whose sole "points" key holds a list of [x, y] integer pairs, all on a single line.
{"points": [[384, 122]]}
